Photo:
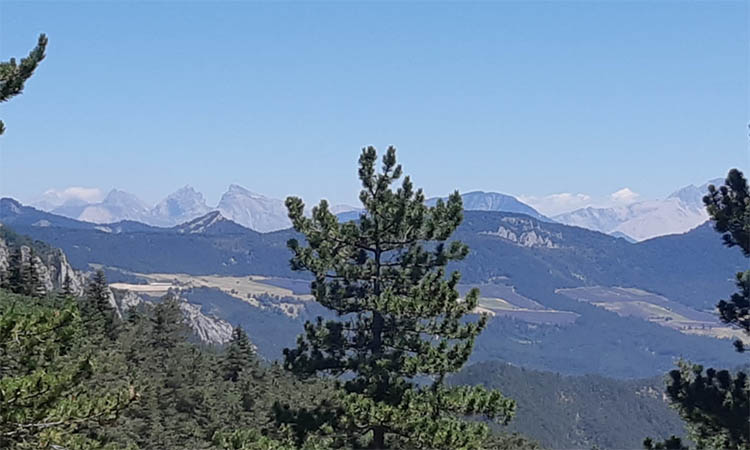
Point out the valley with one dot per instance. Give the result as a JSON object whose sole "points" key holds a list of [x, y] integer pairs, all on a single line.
{"points": [[524, 268]]}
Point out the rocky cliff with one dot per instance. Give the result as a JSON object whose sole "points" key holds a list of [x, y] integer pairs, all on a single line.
{"points": [[53, 268]]}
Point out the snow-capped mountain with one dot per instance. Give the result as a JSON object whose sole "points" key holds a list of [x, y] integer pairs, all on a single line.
{"points": [[681, 211], [116, 206], [181, 206], [252, 210]]}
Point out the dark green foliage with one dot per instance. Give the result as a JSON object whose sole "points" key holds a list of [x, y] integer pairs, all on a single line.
{"points": [[239, 356], [45, 394], [16, 281], [67, 288], [715, 405], [400, 318], [33, 286], [13, 76], [22, 274], [729, 208], [96, 308]]}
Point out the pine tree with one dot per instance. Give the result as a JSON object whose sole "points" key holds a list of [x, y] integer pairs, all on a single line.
{"points": [[16, 283], [33, 286], [13, 76], [67, 286], [729, 208], [715, 404], [45, 397], [239, 357], [400, 319], [66, 290], [96, 308]]}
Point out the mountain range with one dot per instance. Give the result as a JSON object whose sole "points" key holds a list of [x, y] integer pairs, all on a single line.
{"points": [[585, 411], [679, 212], [526, 269], [247, 208]]}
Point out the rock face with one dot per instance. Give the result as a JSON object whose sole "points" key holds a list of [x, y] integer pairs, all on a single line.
{"points": [[208, 328], [53, 268], [525, 233], [253, 210]]}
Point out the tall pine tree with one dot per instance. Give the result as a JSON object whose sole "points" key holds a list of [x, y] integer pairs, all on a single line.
{"points": [[401, 325], [96, 309], [15, 283], [239, 357], [33, 286]]}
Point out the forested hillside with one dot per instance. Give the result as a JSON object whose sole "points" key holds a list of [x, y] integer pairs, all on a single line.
{"points": [[580, 411]]}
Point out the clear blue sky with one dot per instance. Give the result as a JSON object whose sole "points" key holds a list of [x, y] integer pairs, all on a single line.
{"points": [[525, 98]]}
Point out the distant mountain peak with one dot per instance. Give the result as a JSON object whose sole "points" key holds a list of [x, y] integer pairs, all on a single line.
{"points": [[119, 196], [495, 201], [253, 210], [180, 206], [681, 211], [237, 189]]}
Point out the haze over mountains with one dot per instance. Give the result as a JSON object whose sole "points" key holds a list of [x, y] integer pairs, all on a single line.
{"points": [[679, 212]]}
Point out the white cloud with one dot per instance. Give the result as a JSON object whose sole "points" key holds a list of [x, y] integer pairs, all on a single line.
{"points": [[553, 204], [74, 194], [624, 196]]}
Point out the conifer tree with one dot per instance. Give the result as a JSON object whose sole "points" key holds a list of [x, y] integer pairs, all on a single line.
{"points": [[66, 290], [400, 319], [16, 283], [239, 357], [33, 286], [96, 308], [45, 399], [13, 76], [729, 208], [715, 404]]}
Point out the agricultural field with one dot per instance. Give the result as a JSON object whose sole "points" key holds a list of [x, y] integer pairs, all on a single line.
{"points": [[632, 302]]}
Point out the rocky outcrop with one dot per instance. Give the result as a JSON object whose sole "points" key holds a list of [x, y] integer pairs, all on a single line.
{"points": [[208, 328], [525, 233], [52, 266]]}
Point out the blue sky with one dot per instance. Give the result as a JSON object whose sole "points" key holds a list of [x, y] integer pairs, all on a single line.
{"points": [[531, 99]]}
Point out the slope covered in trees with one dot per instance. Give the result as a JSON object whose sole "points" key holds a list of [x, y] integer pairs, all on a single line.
{"points": [[587, 411]]}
